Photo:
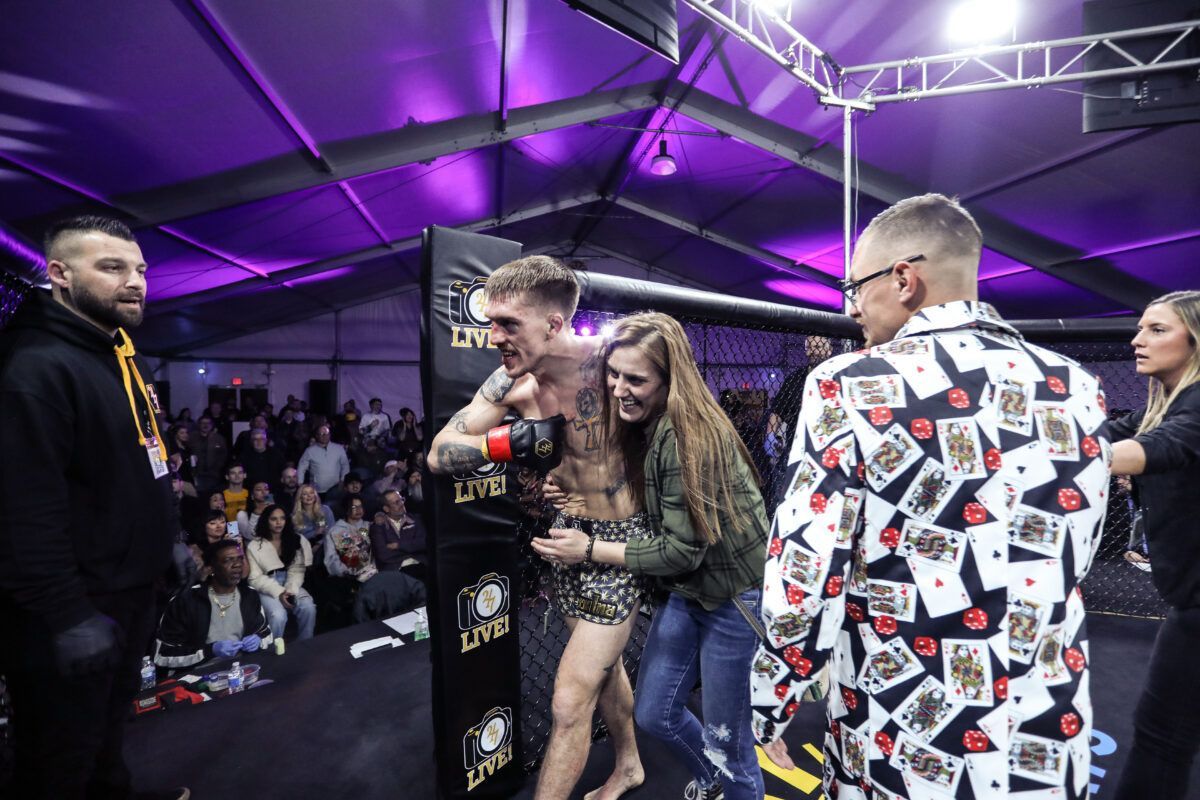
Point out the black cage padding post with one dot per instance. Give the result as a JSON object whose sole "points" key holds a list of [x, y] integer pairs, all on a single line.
{"points": [[472, 520]]}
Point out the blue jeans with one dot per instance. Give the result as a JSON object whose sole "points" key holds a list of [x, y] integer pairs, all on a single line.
{"points": [[305, 611], [686, 641]]}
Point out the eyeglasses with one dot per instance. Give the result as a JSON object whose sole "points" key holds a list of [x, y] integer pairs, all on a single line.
{"points": [[851, 288]]}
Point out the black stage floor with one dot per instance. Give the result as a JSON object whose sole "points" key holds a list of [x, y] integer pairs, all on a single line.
{"points": [[277, 742]]}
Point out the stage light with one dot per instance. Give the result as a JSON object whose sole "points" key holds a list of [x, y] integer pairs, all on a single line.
{"points": [[607, 328], [585, 330], [663, 163], [202, 371], [980, 21]]}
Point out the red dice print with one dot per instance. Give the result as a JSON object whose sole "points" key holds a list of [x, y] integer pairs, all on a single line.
{"points": [[781, 691], [795, 595], [880, 415], [829, 389], [975, 618], [831, 457], [849, 698], [776, 547], [860, 470], [889, 537], [925, 646], [1001, 687], [833, 586], [835, 728], [974, 740], [1090, 447], [790, 709], [1074, 658], [817, 503], [1070, 724], [1101, 402], [958, 398], [799, 663], [974, 513], [885, 625], [1056, 385], [1069, 499], [854, 611], [884, 743], [921, 428], [992, 458]]}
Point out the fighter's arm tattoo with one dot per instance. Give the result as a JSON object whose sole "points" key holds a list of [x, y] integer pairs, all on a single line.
{"points": [[460, 458], [589, 370], [459, 421], [496, 387]]}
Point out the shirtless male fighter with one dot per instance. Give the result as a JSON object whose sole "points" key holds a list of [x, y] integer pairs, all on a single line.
{"points": [[547, 370]]}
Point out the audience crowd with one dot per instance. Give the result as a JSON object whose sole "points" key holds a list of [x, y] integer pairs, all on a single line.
{"points": [[321, 513]]}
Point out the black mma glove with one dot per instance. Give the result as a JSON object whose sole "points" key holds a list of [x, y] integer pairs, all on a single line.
{"points": [[91, 646], [533, 443]]}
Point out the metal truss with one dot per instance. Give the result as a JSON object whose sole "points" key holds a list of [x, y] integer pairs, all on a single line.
{"points": [[772, 35], [1016, 66]]}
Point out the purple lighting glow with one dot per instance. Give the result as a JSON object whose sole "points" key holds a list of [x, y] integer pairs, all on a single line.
{"points": [[585, 330]]}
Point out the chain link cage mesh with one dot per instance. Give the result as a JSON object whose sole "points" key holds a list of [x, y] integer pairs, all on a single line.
{"points": [[757, 373]]}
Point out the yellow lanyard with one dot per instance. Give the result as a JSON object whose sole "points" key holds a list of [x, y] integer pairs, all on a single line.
{"points": [[125, 354]]}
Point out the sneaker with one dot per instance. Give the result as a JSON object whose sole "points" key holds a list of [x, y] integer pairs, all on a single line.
{"points": [[693, 791]]}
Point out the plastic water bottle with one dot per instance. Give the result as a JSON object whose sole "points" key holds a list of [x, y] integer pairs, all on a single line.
{"points": [[235, 678], [149, 676], [420, 629]]}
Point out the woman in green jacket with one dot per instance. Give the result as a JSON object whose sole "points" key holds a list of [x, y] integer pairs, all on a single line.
{"points": [[685, 462]]}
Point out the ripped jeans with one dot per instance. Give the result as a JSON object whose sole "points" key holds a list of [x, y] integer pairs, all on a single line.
{"points": [[687, 642]]}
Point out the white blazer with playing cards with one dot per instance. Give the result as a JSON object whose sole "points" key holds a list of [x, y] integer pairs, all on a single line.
{"points": [[946, 496]]}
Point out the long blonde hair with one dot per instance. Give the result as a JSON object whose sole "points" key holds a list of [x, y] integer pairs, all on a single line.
{"points": [[299, 517], [709, 446], [1186, 306]]}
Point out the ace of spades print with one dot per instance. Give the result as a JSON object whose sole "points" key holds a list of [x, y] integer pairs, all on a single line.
{"points": [[927, 587]]}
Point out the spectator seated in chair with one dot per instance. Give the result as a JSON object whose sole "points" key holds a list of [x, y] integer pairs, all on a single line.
{"points": [[261, 460], [278, 558], [348, 555], [217, 618], [247, 518], [398, 538], [237, 496], [310, 517]]}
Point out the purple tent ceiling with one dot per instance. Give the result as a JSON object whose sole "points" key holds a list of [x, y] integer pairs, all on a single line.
{"points": [[281, 159]]}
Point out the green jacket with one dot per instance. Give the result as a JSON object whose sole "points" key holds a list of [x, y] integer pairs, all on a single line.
{"points": [[689, 566]]}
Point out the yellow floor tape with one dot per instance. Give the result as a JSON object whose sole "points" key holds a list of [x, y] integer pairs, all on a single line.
{"points": [[798, 778]]}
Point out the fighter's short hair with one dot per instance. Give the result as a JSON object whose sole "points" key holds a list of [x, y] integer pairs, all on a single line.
{"points": [[543, 280], [935, 219]]}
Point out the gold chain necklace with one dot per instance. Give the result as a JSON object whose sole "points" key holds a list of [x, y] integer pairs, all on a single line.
{"points": [[222, 607]]}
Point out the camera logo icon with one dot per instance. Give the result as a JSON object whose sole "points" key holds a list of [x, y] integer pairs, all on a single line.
{"points": [[488, 738], [483, 602], [467, 301]]}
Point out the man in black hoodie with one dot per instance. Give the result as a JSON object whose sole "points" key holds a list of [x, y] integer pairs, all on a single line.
{"points": [[87, 515]]}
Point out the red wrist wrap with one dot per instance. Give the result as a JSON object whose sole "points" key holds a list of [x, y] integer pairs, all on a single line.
{"points": [[499, 444]]}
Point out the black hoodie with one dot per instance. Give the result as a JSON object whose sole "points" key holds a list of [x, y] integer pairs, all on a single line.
{"points": [[81, 512]]}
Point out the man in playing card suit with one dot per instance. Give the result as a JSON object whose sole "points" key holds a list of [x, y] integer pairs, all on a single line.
{"points": [[962, 507]]}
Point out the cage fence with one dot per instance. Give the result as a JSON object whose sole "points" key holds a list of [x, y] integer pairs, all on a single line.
{"points": [[757, 373]]}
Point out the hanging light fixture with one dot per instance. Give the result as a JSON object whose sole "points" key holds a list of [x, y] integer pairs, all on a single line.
{"points": [[663, 163]]}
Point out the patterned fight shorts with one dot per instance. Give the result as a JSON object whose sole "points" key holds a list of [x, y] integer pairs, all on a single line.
{"points": [[601, 593]]}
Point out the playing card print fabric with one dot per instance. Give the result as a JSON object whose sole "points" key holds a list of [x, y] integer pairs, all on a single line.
{"points": [[946, 495]]}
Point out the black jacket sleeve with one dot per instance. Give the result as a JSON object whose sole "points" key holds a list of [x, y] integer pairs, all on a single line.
{"points": [[180, 640], [1126, 427], [1175, 443], [37, 560]]}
